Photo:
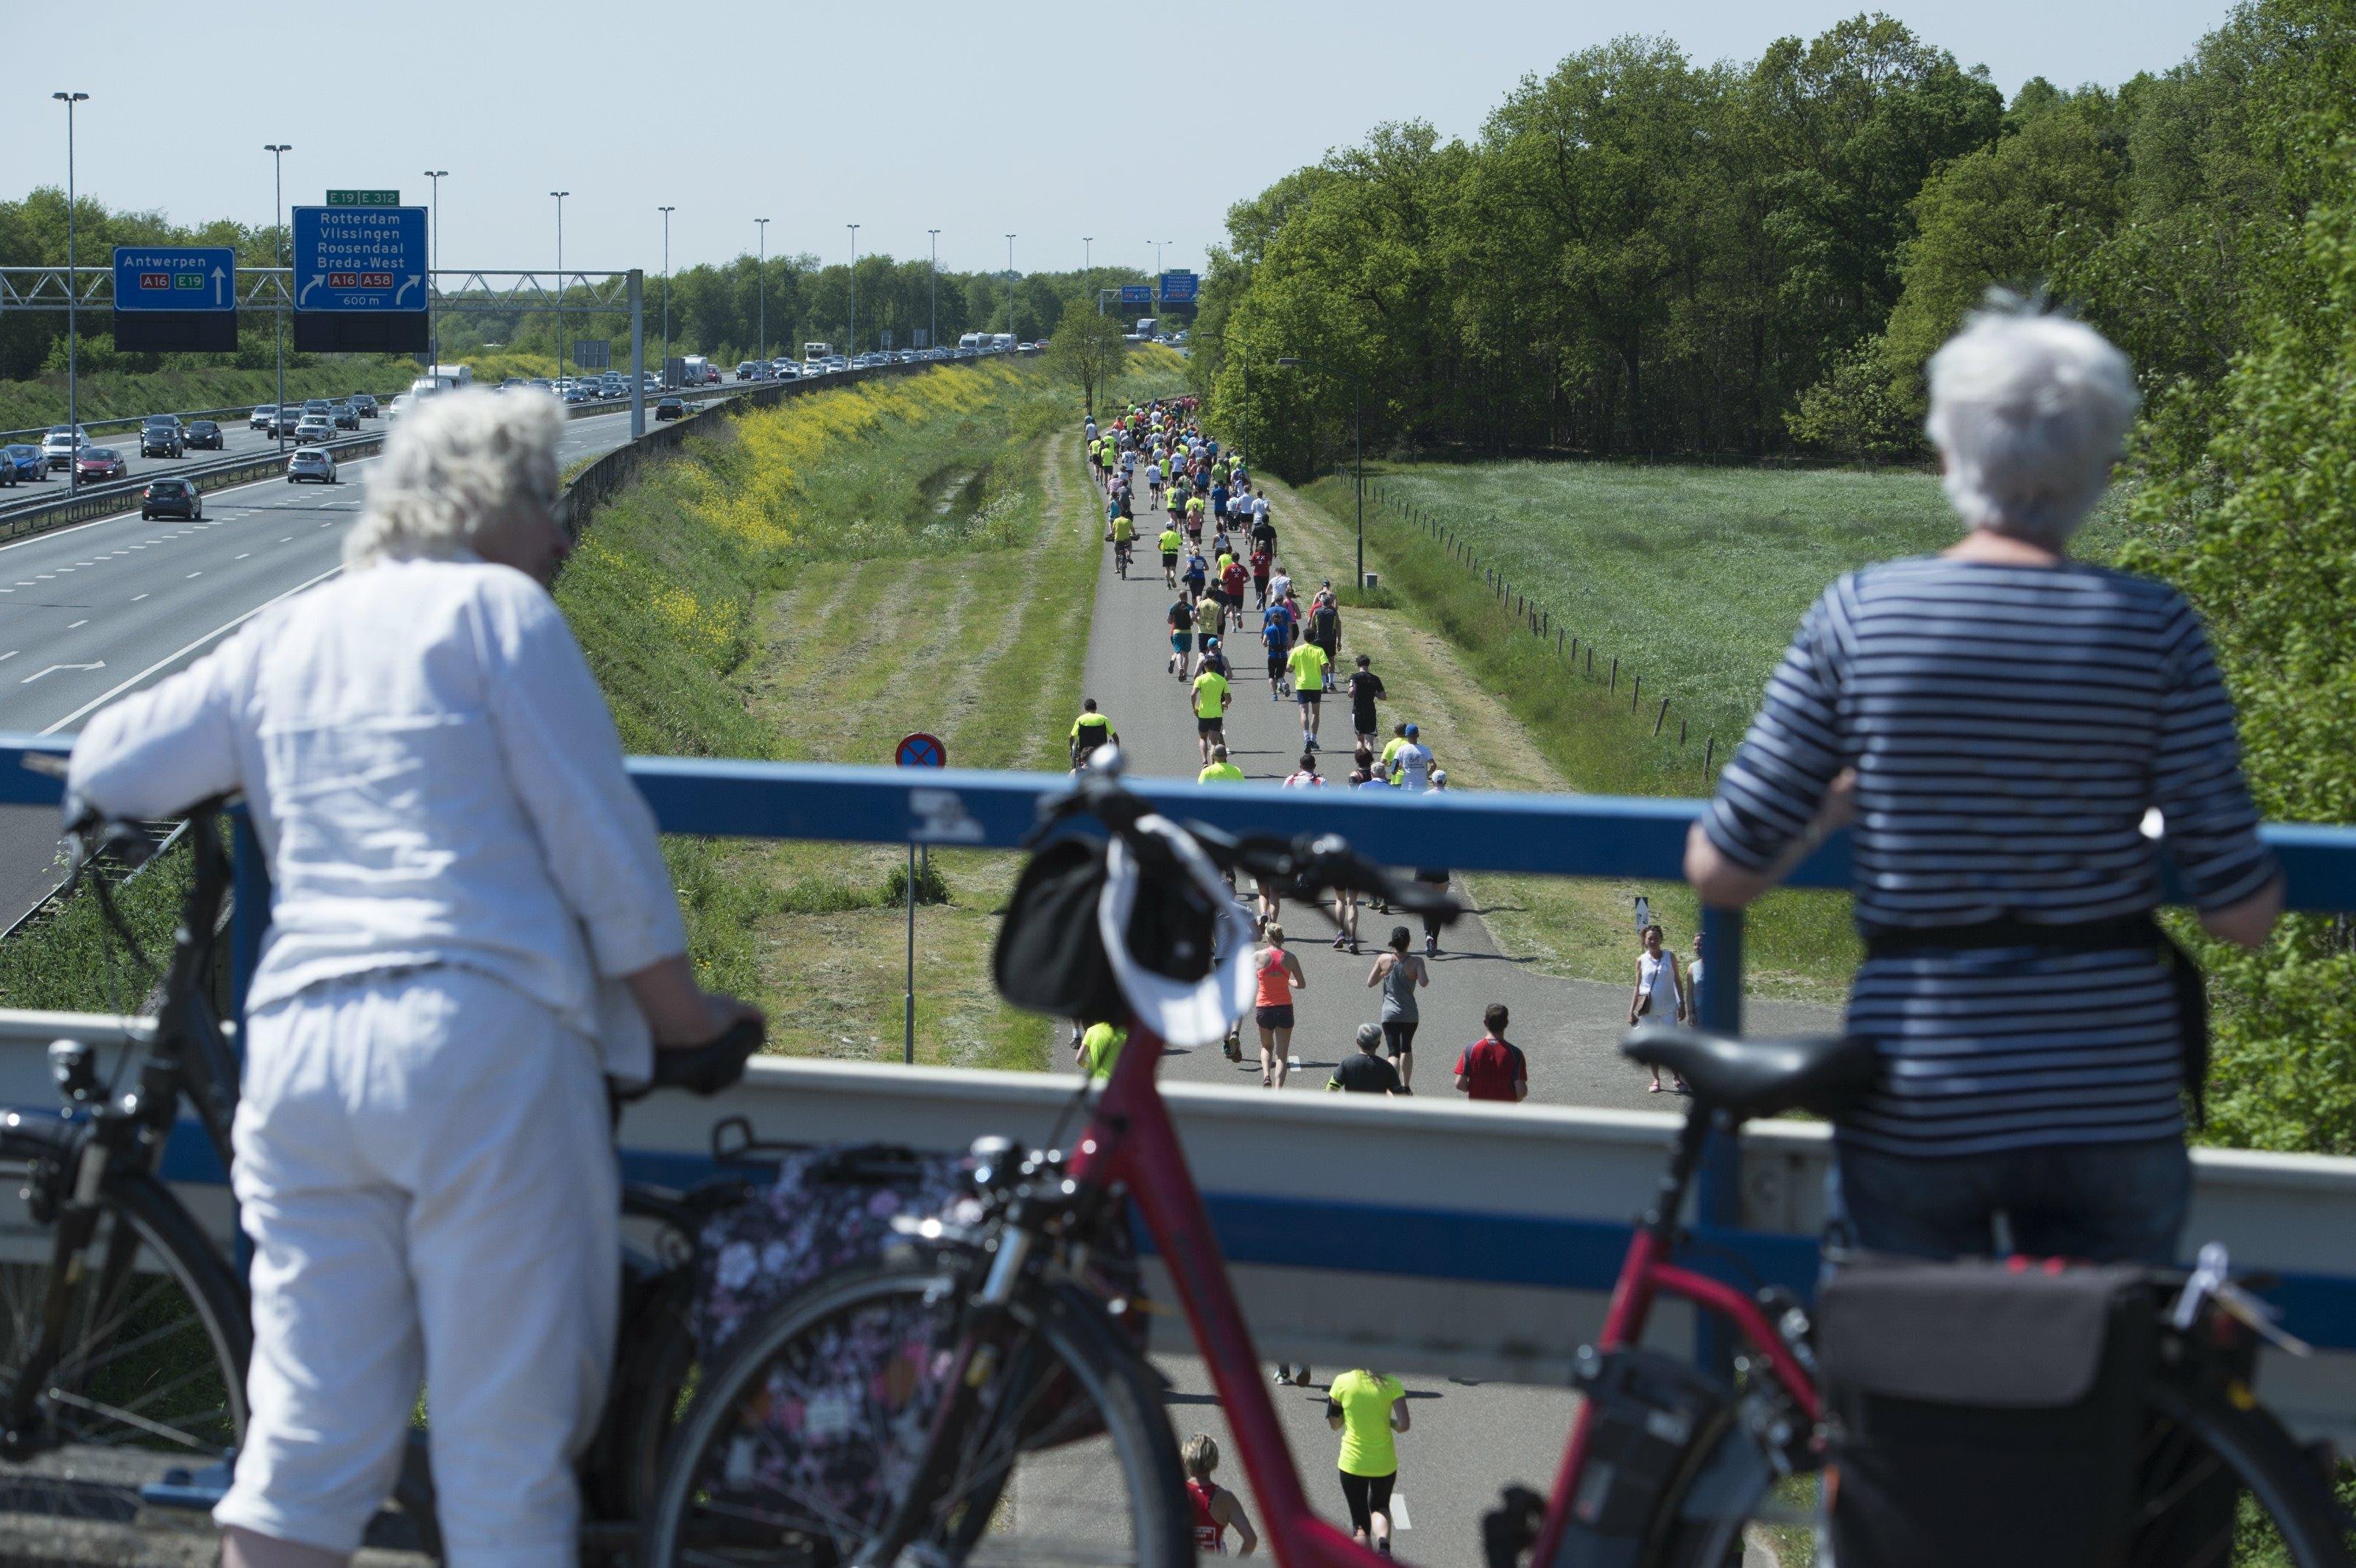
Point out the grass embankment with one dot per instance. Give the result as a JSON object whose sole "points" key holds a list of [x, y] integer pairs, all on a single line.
{"points": [[810, 583]]}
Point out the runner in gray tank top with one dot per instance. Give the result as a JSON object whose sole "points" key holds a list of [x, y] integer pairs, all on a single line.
{"points": [[1399, 973]]}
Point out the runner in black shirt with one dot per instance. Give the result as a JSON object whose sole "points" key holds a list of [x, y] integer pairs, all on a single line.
{"points": [[1365, 690], [1366, 1072]]}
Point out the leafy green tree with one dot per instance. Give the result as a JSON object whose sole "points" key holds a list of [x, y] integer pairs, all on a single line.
{"points": [[1087, 349]]}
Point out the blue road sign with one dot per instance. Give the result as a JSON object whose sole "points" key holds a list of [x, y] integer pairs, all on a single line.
{"points": [[1137, 294], [360, 258], [921, 750], [1178, 288], [175, 277]]}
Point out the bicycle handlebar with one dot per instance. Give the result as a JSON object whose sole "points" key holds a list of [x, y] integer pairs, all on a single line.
{"points": [[1309, 863]]}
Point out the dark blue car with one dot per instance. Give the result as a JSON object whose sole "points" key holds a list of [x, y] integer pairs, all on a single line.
{"points": [[18, 464]]}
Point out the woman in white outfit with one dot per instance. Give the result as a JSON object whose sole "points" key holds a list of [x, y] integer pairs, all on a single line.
{"points": [[471, 923], [1660, 993]]}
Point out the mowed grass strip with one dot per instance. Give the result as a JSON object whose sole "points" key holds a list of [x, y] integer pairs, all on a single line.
{"points": [[1499, 716]]}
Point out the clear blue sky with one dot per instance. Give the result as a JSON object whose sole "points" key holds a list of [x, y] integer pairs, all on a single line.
{"points": [[901, 117]]}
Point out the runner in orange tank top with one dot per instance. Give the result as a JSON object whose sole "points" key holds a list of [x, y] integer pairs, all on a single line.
{"points": [[1279, 976]]}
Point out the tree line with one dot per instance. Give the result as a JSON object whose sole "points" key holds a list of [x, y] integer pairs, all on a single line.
{"points": [[1638, 254], [716, 309]]}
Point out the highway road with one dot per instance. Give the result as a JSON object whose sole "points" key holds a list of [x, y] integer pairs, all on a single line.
{"points": [[91, 611], [237, 441]]}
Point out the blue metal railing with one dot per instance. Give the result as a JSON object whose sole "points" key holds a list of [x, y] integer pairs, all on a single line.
{"points": [[1568, 836]]}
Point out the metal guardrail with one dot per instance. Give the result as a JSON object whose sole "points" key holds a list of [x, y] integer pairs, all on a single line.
{"points": [[238, 411], [122, 495]]}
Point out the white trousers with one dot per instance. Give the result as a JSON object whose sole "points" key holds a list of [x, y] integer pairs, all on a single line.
{"points": [[424, 1168]]}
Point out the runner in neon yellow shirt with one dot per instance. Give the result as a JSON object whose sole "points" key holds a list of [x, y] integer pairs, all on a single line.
{"points": [[1209, 697], [1172, 542], [1307, 666], [1099, 1047], [1220, 770]]}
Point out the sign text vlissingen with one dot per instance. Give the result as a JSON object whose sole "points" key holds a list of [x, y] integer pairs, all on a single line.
{"points": [[360, 258]]}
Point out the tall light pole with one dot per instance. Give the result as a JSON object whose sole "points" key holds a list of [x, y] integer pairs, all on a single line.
{"points": [[1088, 242], [559, 196], [1157, 245], [432, 324], [1358, 459], [854, 286], [935, 335], [73, 294], [1009, 286], [666, 211], [278, 150], [761, 291]]}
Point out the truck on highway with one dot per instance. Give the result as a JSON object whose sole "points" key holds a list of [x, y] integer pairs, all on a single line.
{"points": [[1001, 342], [441, 379], [700, 371], [817, 353]]}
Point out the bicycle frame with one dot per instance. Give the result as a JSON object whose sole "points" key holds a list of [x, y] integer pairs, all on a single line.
{"points": [[1130, 1140]]}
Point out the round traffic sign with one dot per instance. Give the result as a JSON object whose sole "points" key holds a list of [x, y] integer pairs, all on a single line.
{"points": [[921, 750]]}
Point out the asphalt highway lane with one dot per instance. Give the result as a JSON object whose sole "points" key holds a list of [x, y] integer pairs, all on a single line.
{"points": [[237, 441], [89, 613]]}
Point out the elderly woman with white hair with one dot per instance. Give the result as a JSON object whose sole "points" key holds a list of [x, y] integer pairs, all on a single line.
{"points": [[471, 922], [1998, 721]]}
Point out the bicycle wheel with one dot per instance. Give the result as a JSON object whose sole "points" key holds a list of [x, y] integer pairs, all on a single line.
{"points": [[793, 1451], [2217, 1486], [151, 1372]]}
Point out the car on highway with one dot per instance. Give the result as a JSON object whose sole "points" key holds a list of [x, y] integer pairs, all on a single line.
{"points": [[205, 433], [542, 383], [344, 416], [312, 428], [513, 384], [102, 462], [22, 461], [59, 446], [160, 436], [321, 406], [171, 498], [366, 403], [670, 407], [577, 395], [283, 422], [312, 463], [395, 408], [262, 416], [748, 371]]}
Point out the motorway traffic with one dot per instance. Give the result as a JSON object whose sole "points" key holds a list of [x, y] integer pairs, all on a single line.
{"points": [[90, 611]]}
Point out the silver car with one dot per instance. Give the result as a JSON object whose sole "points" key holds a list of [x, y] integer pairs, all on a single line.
{"points": [[312, 463], [314, 428]]}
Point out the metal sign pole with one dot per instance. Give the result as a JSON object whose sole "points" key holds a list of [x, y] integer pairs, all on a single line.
{"points": [[909, 998], [637, 353]]}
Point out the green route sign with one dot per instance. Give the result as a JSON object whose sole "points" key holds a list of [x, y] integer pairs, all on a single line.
{"points": [[363, 199]]}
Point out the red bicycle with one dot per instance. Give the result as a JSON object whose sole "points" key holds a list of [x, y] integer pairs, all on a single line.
{"points": [[981, 1394]]}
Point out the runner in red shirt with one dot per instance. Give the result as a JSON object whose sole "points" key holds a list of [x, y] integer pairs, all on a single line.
{"points": [[1489, 1067], [1233, 580], [1214, 1509], [1259, 577]]}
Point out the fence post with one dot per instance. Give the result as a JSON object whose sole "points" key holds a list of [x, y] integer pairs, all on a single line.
{"points": [[1558, 652], [1615, 686], [1709, 753], [1681, 740], [1634, 692], [1660, 720], [1590, 675]]}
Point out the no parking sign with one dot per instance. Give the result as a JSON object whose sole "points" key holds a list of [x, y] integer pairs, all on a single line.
{"points": [[921, 750]]}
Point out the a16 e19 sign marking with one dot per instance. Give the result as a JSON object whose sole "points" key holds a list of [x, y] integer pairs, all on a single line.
{"points": [[175, 277]]}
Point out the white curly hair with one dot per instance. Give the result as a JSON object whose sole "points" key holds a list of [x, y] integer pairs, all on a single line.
{"points": [[2029, 410], [455, 462]]}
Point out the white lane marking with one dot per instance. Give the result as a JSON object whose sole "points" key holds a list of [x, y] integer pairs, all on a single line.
{"points": [[170, 659], [136, 597], [22, 582], [70, 625], [55, 667], [288, 539], [1398, 1511], [85, 564], [248, 555], [192, 574], [9, 655], [65, 569]]}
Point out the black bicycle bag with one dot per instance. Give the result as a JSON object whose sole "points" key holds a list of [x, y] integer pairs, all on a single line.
{"points": [[1647, 1412], [1983, 1412]]}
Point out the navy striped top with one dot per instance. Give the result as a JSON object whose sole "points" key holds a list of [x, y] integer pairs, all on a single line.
{"points": [[2010, 726]]}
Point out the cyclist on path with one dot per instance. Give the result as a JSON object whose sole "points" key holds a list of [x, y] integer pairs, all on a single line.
{"points": [[1091, 730]]}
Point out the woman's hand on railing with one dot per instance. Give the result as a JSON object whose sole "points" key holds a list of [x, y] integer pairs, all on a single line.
{"points": [[679, 1012]]}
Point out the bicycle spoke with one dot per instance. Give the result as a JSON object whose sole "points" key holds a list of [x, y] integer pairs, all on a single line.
{"points": [[126, 1417]]}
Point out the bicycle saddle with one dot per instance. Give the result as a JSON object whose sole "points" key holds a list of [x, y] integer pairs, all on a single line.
{"points": [[1748, 1076]]}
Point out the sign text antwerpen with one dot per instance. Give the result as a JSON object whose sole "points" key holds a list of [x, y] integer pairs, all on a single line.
{"points": [[175, 277]]}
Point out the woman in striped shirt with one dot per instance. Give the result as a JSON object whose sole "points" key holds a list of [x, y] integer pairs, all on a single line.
{"points": [[2000, 721]]}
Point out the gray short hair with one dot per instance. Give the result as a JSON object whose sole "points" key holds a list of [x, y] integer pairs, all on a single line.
{"points": [[2029, 410], [455, 460], [1369, 1036]]}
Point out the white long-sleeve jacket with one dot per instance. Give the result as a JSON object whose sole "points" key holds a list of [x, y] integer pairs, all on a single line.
{"points": [[435, 779]]}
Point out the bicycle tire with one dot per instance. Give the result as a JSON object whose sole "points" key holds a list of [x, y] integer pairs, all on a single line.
{"points": [[1123, 1438], [2283, 1513], [153, 1377]]}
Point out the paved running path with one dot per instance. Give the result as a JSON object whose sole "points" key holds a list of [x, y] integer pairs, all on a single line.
{"points": [[1569, 1030]]}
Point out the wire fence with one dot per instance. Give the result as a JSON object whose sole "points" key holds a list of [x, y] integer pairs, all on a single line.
{"points": [[1580, 656]]}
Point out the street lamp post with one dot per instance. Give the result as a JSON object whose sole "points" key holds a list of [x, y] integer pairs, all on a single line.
{"points": [[666, 211], [1009, 286], [559, 196], [933, 336], [1358, 456], [433, 323], [278, 150], [761, 292], [1157, 245], [73, 295], [854, 286], [1087, 245]]}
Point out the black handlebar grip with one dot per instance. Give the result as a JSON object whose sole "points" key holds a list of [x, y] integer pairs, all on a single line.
{"points": [[713, 1066]]}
